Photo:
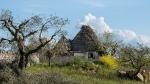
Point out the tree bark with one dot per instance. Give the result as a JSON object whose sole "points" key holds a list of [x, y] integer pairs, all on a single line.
{"points": [[49, 61], [26, 61], [22, 62], [21, 53]]}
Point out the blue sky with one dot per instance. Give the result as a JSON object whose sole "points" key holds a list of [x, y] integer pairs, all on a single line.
{"points": [[130, 17]]}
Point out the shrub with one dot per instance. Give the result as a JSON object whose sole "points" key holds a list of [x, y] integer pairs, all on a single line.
{"points": [[49, 78], [7, 76], [80, 63], [104, 72], [90, 66], [109, 61]]}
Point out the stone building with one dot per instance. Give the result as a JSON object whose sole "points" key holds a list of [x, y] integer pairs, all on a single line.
{"points": [[62, 47], [9, 57], [83, 45]]}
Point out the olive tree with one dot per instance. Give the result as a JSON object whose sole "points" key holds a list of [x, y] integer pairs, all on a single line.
{"points": [[109, 44], [135, 57], [17, 33]]}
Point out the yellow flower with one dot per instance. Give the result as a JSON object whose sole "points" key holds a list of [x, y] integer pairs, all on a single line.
{"points": [[109, 61]]}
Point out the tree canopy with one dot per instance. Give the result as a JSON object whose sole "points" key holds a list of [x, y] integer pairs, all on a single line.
{"points": [[18, 33]]}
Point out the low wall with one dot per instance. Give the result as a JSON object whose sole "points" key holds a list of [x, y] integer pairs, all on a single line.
{"points": [[8, 57]]}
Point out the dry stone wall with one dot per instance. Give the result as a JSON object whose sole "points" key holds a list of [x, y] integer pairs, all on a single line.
{"points": [[8, 57]]}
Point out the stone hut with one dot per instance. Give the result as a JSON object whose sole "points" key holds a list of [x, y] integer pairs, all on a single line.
{"points": [[85, 42], [62, 47]]}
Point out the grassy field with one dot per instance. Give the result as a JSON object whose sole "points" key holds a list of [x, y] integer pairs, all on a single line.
{"points": [[77, 75]]}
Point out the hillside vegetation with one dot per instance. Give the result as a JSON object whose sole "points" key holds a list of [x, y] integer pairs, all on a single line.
{"points": [[83, 73]]}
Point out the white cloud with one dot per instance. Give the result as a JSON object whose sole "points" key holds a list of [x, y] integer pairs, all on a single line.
{"points": [[144, 39], [127, 35], [100, 26], [89, 19], [104, 27]]}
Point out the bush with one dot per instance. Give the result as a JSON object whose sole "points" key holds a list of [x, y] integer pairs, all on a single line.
{"points": [[104, 72], [7, 76], [109, 61], [80, 63], [49, 78]]}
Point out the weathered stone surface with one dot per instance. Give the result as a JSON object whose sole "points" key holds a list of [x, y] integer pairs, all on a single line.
{"points": [[144, 75], [126, 74], [62, 47], [35, 58], [140, 77], [85, 41], [9, 57]]}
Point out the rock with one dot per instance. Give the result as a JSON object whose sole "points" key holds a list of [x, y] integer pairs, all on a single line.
{"points": [[144, 75], [122, 74], [126, 74], [140, 77]]}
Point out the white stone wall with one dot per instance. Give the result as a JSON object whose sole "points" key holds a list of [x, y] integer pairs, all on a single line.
{"points": [[87, 54], [35, 58], [84, 55], [9, 57]]}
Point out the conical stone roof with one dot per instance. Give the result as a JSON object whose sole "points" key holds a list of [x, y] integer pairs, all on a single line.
{"points": [[85, 41], [63, 46]]}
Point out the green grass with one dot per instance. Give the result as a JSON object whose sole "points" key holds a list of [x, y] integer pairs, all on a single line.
{"points": [[77, 75]]}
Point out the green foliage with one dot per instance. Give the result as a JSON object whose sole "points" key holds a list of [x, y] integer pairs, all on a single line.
{"points": [[135, 57], [49, 78], [7, 76], [104, 72], [82, 78], [109, 61], [100, 49], [109, 43], [80, 63]]}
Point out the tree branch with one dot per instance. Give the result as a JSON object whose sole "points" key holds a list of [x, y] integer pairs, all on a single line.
{"points": [[7, 26], [42, 28], [31, 33], [23, 24], [41, 45], [4, 39], [11, 24]]}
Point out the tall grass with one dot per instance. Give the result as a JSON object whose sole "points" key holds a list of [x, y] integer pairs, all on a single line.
{"points": [[82, 77]]}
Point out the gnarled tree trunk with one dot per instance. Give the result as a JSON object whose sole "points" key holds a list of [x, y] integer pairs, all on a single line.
{"points": [[22, 63]]}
